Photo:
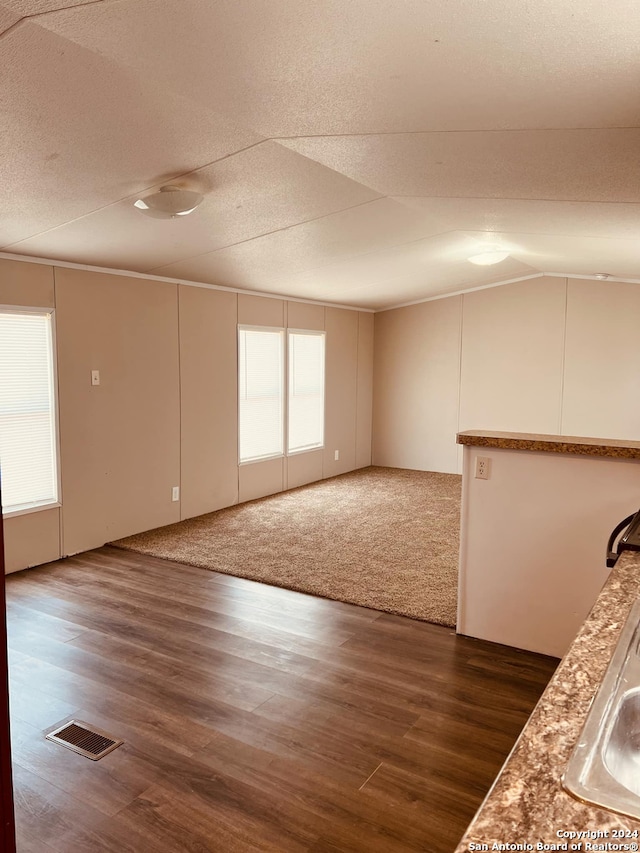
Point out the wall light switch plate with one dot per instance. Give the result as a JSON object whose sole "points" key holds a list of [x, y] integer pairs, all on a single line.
{"points": [[336, 455], [95, 377], [483, 467], [175, 493]]}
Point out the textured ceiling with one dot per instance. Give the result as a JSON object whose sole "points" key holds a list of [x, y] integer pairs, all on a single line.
{"points": [[354, 152]]}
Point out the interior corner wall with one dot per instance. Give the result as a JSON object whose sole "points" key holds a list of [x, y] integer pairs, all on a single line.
{"points": [[364, 390], [165, 413], [546, 355], [416, 386]]}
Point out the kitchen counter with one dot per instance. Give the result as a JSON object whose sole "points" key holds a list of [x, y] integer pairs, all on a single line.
{"points": [[527, 804], [580, 445]]}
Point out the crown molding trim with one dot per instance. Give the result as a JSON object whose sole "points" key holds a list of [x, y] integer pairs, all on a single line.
{"points": [[29, 259], [461, 292], [509, 281]]}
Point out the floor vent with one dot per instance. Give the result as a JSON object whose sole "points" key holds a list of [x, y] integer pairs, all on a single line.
{"points": [[84, 739]]}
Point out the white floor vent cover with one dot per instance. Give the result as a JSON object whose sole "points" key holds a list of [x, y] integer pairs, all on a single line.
{"points": [[84, 739]]}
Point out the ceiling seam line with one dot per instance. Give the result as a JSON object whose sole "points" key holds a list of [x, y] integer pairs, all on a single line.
{"points": [[510, 198], [464, 130], [368, 254], [275, 231], [65, 8], [12, 27], [501, 231]]}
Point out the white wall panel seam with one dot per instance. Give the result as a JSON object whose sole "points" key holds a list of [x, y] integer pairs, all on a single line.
{"points": [[57, 401], [564, 356]]}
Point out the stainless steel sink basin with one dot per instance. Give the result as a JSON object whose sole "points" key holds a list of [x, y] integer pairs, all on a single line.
{"points": [[622, 750], [604, 768]]}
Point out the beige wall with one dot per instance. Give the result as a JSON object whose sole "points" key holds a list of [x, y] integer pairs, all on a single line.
{"points": [[166, 412], [258, 311], [26, 284], [416, 385], [544, 355], [119, 441], [302, 468], [341, 404], [208, 400], [31, 539], [259, 479], [512, 349], [301, 315], [602, 362]]}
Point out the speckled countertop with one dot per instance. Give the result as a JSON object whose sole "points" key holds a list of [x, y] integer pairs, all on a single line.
{"points": [[581, 445], [527, 804]]}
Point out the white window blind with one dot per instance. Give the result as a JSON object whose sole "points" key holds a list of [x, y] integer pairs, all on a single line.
{"points": [[306, 391], [28, 458], [261, 392]]}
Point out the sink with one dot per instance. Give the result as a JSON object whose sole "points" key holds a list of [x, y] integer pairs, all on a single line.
{"points": [[622, 750], [604, 768]]}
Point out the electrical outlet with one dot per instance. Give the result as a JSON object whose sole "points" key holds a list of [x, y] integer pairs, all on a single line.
{"points": [[483, 467], [175, 493], [336, 455]]}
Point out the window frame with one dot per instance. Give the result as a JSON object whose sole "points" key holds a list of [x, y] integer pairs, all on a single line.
{"points": [[285, 331], [317, 333], [284, 411], [40, 506]]}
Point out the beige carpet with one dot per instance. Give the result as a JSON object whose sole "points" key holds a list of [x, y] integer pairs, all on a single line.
{"points": [[385, 538]]}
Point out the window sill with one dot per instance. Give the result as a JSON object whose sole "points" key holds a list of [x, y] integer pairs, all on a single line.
{"points": [[306, 450], [242, 463], [28, 509]]}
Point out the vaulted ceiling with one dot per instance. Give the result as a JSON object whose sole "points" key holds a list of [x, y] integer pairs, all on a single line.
{"points": [[353, 152]]}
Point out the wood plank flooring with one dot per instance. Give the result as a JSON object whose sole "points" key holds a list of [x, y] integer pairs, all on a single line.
{"points": [[254, 718]]}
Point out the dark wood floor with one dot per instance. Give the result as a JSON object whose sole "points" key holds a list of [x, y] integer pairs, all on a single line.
{"points": [[254, 718]]}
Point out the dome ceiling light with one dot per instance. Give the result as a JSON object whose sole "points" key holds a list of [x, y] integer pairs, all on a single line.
{"points": [[490, 255], [168, 203]]}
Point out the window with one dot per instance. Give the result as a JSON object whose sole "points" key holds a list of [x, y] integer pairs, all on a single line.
{"points": [[306, 391], [261, 392], [28, 455]]}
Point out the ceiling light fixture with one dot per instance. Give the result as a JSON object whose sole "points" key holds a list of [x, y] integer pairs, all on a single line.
{"points": [[488, 257], [168, 203], [602, 276]]}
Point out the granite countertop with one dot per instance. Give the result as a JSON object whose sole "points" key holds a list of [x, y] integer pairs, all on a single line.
{"points": [[527, 804], [580, 445]]}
